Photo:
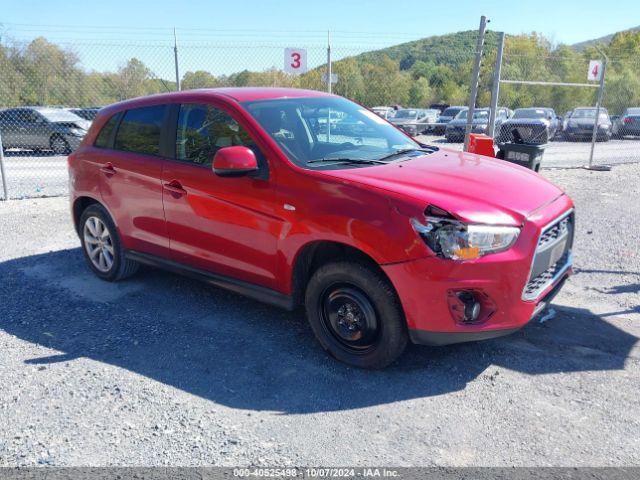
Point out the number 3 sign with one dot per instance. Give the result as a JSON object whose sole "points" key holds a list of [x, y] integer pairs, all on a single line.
{"points": [[295, 60], [595, 70]]}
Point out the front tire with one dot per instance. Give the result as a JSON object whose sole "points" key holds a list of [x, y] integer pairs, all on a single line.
{"points": [[59, 145], [102, 247], [356, 315]]}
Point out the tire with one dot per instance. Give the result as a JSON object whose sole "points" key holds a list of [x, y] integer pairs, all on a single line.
{"points": [[120, 267], [356, 315], [59, 145]]}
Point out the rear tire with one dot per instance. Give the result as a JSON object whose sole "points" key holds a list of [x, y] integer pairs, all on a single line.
{"points": [[356, 315], [102, 247]]}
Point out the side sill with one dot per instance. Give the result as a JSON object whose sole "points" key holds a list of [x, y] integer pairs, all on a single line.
{"points": [[256, 292]]}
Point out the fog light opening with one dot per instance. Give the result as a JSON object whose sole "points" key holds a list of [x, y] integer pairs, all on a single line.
{"points": [[470, 307]]}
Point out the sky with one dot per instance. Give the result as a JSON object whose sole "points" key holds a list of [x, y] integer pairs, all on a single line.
{"points": [[229, 36]]}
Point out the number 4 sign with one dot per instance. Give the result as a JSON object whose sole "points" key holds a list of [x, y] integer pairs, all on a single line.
{"points": [[595, 70], [295, 60]]}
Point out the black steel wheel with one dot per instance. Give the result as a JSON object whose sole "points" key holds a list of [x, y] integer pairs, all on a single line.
{"points": [[348, 315], [355, 314]]}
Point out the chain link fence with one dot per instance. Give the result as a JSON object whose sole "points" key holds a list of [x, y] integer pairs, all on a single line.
{"points": [[50, 91]]}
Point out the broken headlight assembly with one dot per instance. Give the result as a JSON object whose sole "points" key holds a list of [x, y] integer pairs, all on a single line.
{"points": [[456, 240]]}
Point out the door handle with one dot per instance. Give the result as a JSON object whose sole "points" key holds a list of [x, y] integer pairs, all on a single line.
{"points": [[108, 169], [175, 187]]}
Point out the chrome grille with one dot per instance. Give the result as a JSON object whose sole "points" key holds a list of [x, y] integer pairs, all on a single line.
{"points": [[538, 284], [547, 267], [554, 232]]}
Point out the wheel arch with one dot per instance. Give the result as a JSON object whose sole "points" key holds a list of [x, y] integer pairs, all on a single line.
{"points": [[314, 254], [80, 204]]}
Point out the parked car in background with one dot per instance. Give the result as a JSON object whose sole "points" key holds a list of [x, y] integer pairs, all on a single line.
{"points": [[534, 125], [454, 131], [88, 113], [441, 107], [231, 186], [627, 124], [42, 128], [445, 117], [414, 120], [579, 124], [385, 112]]}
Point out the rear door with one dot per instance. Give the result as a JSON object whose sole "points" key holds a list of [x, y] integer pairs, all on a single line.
{"points": [[227, 225], [9, 127], [128, 155], [26, 129]]}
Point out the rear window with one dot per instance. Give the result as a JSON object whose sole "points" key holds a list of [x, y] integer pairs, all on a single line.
{"points": [[139, 131], [103, 140]]}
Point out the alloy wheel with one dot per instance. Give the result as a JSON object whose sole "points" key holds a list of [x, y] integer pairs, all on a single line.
{"points": [[98, 244]]}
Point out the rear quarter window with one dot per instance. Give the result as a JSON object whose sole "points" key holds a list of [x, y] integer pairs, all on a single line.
{"points": [[103, 140], [140, 130]]}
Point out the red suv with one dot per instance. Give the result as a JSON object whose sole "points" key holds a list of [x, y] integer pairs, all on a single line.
{"points": [[297, 197]]}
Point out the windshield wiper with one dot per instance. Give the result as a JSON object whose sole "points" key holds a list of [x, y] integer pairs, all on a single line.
{"points": [[406, 150], [347, 160]]}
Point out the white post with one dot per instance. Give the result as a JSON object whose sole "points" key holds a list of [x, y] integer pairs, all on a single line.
{"points": [[475, 76], [175, 59], [495, 91], [328, 61], [594, 135], [2, 171]]}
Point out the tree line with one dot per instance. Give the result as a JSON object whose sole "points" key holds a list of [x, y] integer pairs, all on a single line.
{"points": [[416, 74]]}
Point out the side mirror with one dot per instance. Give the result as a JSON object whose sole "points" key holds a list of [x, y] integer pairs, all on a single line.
{"points": [[234, 162]]}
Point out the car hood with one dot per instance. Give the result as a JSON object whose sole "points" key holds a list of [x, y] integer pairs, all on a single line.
{"points": [[527, 121], [402, 121], [81, 124], [587, 122], [474, 188], [462, 122]]}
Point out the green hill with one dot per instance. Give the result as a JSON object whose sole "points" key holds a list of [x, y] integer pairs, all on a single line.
{"points": [[451, 49], [580, 46]]}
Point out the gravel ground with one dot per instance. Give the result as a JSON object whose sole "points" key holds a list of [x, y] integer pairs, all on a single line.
{"points": [[45, 175], [163, 370]]}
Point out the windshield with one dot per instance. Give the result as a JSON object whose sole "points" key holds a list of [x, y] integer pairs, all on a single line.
{"points": [[588, 113], [477, 115], [300, 128], [406, 114], [450, 112], [59, 115], [530, 113]]}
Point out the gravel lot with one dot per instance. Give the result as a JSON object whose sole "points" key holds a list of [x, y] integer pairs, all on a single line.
{"points": [[45, 175], [163, 370]]}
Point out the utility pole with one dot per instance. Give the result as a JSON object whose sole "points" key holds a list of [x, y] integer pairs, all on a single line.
{"points": [[175, 58], [495, 90], [475, 76], [329, 61]]}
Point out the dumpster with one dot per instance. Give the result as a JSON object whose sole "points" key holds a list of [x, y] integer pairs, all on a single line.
{"points": [[525, 153]]}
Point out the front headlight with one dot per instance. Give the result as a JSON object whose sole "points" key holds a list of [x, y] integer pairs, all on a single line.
{"points": [[450, 238]]}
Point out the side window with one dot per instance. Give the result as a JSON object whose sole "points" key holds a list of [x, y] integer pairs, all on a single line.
{"points": [[140, 129], [27, 116], [103, 140], [203, 130]]}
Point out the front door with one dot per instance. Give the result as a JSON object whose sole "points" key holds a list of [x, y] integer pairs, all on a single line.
{"points": [[226, 225]]}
